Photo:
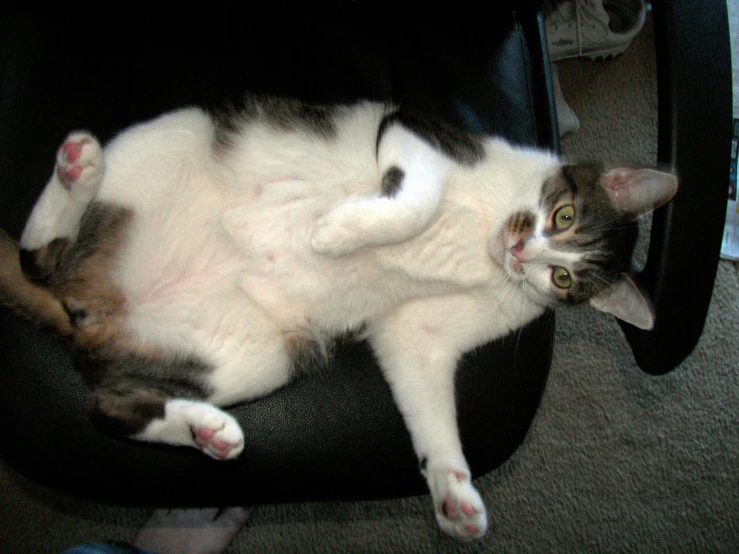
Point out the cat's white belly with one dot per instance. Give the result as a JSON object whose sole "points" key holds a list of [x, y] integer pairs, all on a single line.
{"points": [[201, 279], [216, 279], [224, 268]]}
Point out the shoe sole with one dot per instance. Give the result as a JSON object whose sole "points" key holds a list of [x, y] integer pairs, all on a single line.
{"points": [[598, 55]]}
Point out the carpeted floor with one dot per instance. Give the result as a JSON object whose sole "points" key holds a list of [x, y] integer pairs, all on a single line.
{"points": [[616, 461]]}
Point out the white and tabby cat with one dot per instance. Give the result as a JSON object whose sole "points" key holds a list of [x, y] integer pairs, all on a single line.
{"points": [[198, 257]]}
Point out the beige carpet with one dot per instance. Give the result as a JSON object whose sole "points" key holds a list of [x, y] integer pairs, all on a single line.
{"points": [[616, 461]]}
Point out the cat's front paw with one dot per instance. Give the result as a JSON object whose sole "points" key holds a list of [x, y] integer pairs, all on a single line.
{"points": [[458, 507], [338, 233], [80, 165]]}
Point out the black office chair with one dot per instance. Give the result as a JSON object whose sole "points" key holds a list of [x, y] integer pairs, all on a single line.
{"points": [[335, 435]]}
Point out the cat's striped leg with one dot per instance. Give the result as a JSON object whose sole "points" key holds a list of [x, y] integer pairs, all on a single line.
{"points": [[148, 415], [77, 176], [413, 176], [153, 398], [198, 424]]}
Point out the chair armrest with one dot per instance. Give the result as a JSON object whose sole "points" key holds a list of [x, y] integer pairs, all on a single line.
{"points": [[531, 19], [694, 138]]}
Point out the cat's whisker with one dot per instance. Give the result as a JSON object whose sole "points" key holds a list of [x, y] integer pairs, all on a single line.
{"points": [[523, 311], [601, 279]]}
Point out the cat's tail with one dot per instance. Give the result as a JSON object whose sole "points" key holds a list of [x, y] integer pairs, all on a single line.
{"points": [[26, 298]]}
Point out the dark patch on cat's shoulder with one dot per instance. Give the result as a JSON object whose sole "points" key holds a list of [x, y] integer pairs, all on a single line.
{"points": [[464, 148], [227, 120], [290, 114], [392, 181], [286, 114]]}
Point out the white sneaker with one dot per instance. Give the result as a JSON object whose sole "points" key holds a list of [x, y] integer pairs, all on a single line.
{"points": [[566, 118], [593, 28]]}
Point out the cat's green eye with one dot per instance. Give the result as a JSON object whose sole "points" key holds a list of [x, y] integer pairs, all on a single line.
{"points": [[561, 278], [564, 217]]}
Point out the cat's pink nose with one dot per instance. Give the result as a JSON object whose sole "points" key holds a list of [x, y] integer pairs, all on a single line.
{"points": [[517, 251]]}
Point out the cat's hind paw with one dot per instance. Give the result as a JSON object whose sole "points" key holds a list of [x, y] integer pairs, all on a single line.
{"points": [[80, 165], [198, 424], [223, 442], [459, 509], [218, 435]]}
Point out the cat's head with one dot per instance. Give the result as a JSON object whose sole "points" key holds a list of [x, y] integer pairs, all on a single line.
{"points": [[576, 245]]}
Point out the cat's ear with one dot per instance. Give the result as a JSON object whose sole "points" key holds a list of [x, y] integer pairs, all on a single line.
{"points": [[625, 300], [639, 191]]}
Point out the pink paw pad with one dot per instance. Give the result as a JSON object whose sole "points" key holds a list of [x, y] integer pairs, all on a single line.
{"points": [[449, 508], [69, 155], [69, 176], [471, 529], [72, 150], [203, 437], [468, 509]]}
